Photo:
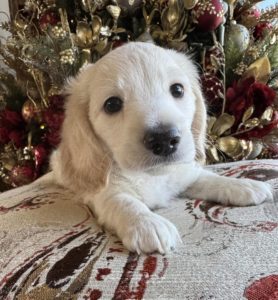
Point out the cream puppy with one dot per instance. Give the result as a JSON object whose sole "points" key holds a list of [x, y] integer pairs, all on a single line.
{"points": [[132, 138]]}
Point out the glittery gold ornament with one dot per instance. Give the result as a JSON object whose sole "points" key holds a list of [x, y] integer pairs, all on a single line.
{"points": [[237, 37]]}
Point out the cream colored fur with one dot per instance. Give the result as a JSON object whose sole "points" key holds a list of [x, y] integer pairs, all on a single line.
{"points": [[102, 157]]}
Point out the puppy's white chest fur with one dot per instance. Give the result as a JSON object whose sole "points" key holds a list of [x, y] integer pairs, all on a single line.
{"points": [[155, 187]]}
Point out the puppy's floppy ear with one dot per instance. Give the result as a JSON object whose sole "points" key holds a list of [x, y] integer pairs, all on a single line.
{"points": [[200, 117], [81, 161]]}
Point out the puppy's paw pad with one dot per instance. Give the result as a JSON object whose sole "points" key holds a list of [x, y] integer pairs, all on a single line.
{"points": [[251, 192], [151, 233]]}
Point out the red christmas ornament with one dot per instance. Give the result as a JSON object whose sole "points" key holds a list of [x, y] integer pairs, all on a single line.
{"points": [[208, 14], [21, 175], [261, 30], [48, 18], [212, 87]]}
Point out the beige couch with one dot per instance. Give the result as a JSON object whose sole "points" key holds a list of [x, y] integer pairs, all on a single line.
{"points": [[52, 248]]}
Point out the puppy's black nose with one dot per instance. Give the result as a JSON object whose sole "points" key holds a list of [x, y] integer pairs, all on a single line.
{"points": [[162, 142]]}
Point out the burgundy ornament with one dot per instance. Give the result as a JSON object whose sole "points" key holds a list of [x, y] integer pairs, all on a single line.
{"points": [[208, 14], [212, 87], [21, 175]]}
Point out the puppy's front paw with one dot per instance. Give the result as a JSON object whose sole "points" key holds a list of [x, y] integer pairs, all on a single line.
{"points": [[150, 233], [244, 192]]}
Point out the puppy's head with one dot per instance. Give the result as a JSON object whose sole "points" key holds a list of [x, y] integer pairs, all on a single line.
{"points": [[139, 106]]}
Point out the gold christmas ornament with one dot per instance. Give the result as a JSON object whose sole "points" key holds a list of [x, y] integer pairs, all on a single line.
{"points": [[237, 37]]}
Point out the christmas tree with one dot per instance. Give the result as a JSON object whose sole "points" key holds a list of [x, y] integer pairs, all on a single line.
{"points": [[233, 43]]}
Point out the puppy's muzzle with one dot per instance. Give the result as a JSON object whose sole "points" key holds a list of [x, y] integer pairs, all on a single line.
{"points": [[162, 142]]}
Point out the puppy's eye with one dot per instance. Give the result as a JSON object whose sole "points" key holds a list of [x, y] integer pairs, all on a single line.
{"points": [[113, 105], [177, 90]]}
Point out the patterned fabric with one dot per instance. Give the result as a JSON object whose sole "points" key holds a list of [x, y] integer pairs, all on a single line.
{"points": [[52, 248]]}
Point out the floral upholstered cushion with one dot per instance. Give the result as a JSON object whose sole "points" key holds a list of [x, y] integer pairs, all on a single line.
{"points": [[52, 248]]}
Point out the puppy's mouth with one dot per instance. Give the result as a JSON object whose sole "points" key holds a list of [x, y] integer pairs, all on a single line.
{"points": [[153, 161]]}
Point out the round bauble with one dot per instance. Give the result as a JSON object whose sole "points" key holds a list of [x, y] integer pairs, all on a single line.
{"points": [[237, 37], [208, 14], [130, 7], [250, 17], [21, 175], [212, 88]]}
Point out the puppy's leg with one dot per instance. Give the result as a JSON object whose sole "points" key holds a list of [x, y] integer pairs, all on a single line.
{"points": [[140, 229], [229, 191]]}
